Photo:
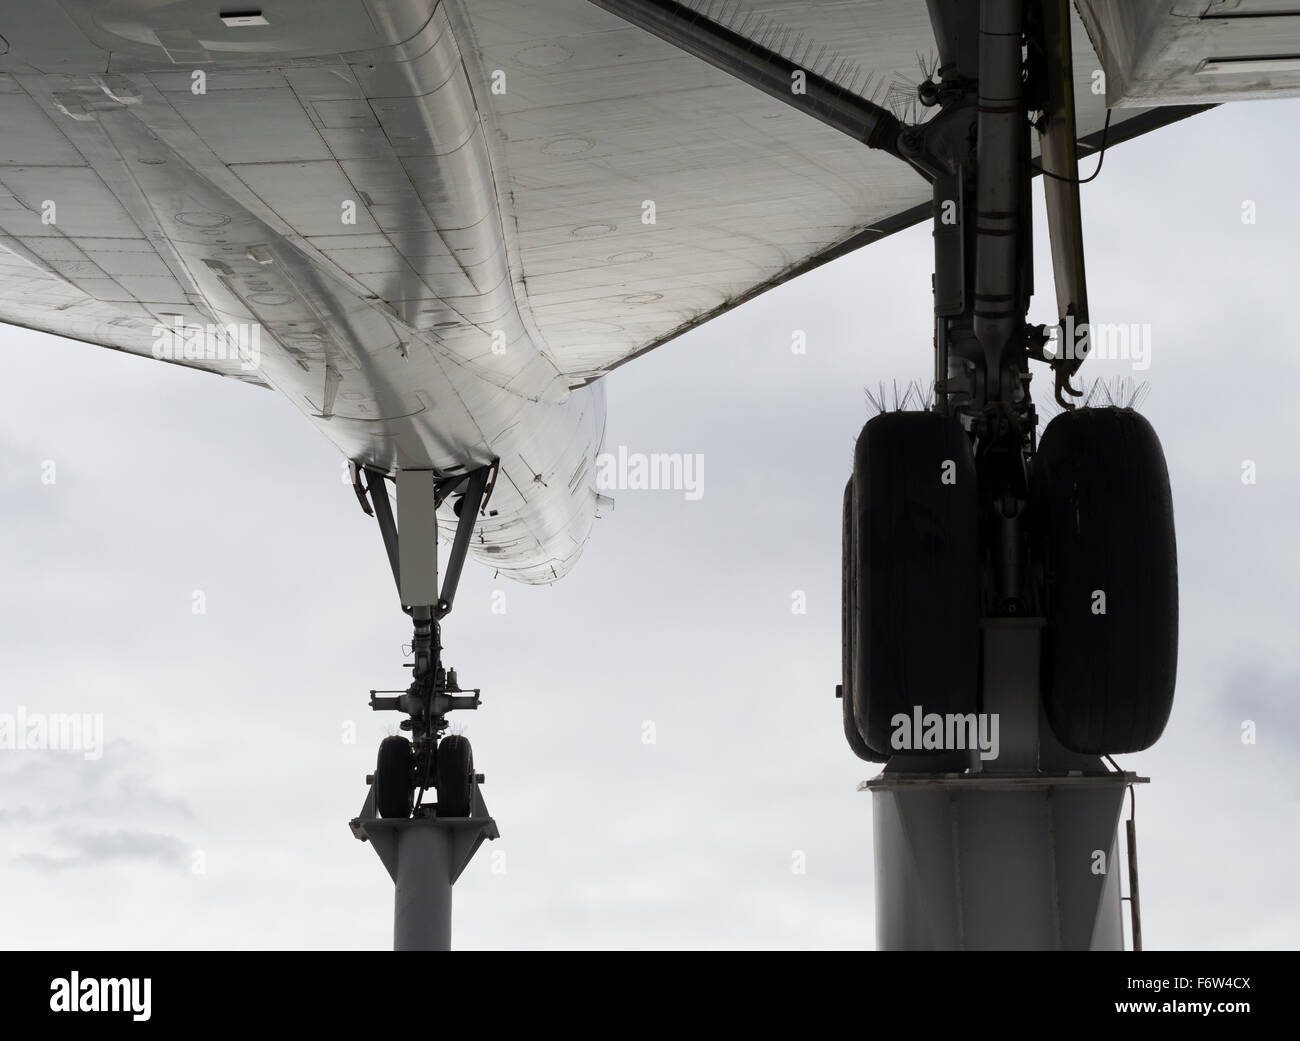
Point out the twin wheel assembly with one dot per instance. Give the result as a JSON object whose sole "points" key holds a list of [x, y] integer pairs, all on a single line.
{"points": [[926, 555], [399, 772], [406, 768]]}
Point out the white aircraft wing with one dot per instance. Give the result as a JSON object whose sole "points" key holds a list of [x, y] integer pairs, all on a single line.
{"points": [[596, 121], [576, 185], [34, 295]]}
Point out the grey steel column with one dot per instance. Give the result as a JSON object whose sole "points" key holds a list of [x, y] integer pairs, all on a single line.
{"points": [[424, 857], [422, 893], [987, 863], [1014, 853]]}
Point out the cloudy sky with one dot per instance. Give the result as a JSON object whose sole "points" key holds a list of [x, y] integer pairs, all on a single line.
{"points": [[217, 815]]}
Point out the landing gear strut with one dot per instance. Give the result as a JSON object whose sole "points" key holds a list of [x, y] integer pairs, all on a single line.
{"points": [[963, 577], [1007, 835], [425, 847], [413, 766]]}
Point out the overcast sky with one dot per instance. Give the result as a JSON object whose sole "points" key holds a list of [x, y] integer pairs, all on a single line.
{"points": [[217, 815]]}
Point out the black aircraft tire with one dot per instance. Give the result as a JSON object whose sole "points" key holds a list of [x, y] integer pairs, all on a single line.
{"points": [[848, 634], [1105, 524], [455, 776], [393, 778], [917, 572]]}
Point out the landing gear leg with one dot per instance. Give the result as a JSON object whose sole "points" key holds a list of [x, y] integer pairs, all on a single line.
{"points": [[424, 847], [1008, 837]]}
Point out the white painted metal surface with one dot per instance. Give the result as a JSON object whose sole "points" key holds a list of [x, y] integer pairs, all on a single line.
{"points": [[438, 269], [1196, 51]]}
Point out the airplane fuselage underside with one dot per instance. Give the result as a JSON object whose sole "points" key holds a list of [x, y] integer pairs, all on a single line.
{"points": [[322, 219]]}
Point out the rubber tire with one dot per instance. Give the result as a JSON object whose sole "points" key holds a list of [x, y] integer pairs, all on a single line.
{"points": [[1105, 521], [848, 634], [455, 780], [393, 789], [917, 572]]}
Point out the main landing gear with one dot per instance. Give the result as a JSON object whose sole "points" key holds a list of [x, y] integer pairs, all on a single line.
{"points": [[957, 518], [425, 846], [1010, 607], [1023, 596]]}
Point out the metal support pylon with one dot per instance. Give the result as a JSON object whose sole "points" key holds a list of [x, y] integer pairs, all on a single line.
{"points": [[424, 855], [1018, 853]]}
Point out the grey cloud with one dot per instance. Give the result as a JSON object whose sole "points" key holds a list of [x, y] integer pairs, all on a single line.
{"points": [[95, 849]]}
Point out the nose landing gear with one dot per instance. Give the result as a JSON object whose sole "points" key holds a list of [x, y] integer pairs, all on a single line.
{"points": [[425, 847], [408, 767]]}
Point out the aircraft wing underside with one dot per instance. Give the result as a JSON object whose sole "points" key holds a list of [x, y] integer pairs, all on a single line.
{"points": [[33, 296], [539, 173], [599, 119]]}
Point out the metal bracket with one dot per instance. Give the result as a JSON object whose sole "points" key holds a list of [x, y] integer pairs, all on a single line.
{"points": [[354, 471], [467, 511], [382, 510], [466, 833], [476, 488]]}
